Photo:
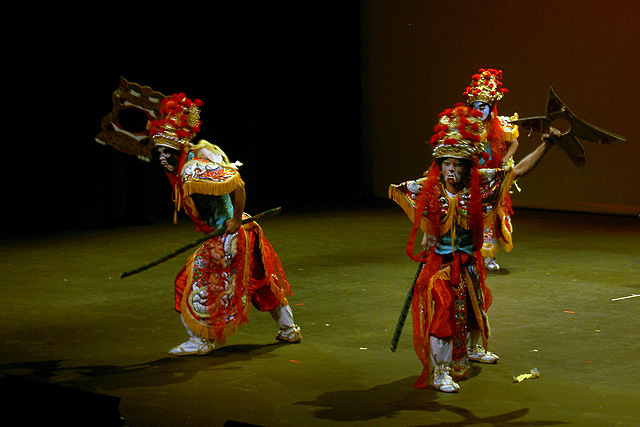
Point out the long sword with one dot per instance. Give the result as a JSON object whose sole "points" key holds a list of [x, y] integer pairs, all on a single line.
{"points": [[405, 311], [196, 243]]}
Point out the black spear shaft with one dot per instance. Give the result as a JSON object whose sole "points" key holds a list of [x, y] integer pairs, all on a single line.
{"points": [[196, 243], [405, 311]]}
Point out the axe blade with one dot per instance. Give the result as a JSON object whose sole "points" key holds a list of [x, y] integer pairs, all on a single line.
{"points": [[556, 109]]}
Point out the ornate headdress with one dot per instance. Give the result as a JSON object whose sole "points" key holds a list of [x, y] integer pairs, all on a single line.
{"points": [[458, 133], [179, 122], [486, 86]]}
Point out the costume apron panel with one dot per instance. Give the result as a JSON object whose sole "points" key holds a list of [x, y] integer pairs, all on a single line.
{"points": [[215, 300]]}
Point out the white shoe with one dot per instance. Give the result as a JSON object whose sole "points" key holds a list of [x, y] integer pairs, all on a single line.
{"points": [[193, 346], [491, 264], [290, 334], [478, 354], [441, 380]]}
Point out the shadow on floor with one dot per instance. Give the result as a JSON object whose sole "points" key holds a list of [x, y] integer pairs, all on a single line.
{"points": [[165, 371], [388, 400]]}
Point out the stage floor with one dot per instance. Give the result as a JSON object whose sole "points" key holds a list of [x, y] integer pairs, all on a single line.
{"points": [[69, 320]]}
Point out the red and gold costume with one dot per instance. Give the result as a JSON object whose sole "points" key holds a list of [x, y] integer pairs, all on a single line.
{"points": [[486, 87], [451, 298], [228, 273]]}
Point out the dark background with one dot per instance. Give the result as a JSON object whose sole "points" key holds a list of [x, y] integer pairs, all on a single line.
{"points": [[280, 82], [325, 102], [418, 56]]}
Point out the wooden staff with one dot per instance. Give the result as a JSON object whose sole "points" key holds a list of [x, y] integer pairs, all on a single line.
{"points": [[196, 243], [404, 312]]}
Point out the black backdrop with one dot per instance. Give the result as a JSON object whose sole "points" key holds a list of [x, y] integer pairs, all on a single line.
{"points": [[280, 83]]}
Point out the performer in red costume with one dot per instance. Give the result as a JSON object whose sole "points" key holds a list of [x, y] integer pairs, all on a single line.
{"points": [[451, 204], [501, 143], [227, 274]]}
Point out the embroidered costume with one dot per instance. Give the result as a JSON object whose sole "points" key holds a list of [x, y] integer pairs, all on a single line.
{"points": [[228, 273], [452, 204], [486, 88], [451, 299]]}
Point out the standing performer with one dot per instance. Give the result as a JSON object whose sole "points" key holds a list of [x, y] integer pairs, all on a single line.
{"points": [[451, 204], [220, 280], [483, 94]]}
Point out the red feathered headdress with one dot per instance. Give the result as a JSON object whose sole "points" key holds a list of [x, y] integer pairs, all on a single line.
{"points": [[179, 122]]}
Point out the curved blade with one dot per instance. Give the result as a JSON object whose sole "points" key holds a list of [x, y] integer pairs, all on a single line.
{"points": [[556, 109], [572, 148]]}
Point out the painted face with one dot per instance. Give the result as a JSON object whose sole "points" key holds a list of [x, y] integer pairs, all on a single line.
{"points": [[453, 170], [168, 158], [483, 107]]}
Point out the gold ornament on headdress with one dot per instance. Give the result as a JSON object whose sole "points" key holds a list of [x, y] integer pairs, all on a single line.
{"points": [[486, 86], [458, 134], [179, 122]]}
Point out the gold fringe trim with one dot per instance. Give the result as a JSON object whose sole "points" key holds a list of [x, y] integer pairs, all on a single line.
{"points": [[177, 200], [402, 200], [209, 188], [407, 205], [506, 239], [512, 135], [454, 216]]}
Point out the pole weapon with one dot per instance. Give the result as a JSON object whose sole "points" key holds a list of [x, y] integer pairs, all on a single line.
{"points": [[568, 140], [196, 243], [404, 312]]}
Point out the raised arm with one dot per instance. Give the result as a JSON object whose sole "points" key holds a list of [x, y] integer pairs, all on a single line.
{"points": [[527, 164]]}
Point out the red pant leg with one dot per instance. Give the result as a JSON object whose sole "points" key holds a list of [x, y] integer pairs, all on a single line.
{"points": [[179, 285]]}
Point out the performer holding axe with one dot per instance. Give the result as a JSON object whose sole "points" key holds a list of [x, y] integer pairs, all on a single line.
{"points": [[236, 267], [451, 204]]}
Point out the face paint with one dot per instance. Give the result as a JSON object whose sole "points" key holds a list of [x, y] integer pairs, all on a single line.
{"points": [[483, 107], [167, 159], [452, 170]]}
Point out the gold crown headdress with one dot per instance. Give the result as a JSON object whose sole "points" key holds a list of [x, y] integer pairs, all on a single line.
{"points": [[179, 122], [458, 133], [486, 86]]}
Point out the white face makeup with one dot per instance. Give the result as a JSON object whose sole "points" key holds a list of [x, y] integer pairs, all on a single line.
{"points": [[483, 107], [452, 170], [165, 159]]}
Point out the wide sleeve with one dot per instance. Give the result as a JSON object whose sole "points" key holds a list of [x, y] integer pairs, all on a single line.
{"points": [[406, 196]]}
